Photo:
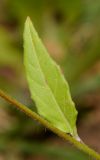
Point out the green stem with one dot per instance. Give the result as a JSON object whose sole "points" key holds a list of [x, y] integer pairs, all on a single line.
{"points": [[35, 116]]}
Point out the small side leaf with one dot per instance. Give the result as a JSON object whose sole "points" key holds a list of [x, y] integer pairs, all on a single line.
{"points": [[48, 87]]}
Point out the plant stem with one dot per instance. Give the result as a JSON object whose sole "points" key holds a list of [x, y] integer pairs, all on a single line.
{"points": [[35, 116]]}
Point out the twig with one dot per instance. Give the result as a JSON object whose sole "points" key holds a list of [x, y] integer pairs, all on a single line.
{"points": [[35, 116]]}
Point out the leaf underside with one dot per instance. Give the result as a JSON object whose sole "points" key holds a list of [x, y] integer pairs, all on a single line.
{"points": [[48, 87]]}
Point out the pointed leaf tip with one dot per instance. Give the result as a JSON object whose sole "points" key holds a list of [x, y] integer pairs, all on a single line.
{"points": [[28, 19]]}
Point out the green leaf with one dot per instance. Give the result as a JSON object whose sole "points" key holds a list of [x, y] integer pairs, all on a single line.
{"points": [[48, 87]]}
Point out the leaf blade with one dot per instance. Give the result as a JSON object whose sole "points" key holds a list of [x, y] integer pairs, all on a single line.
{"points": [[47, 85]]}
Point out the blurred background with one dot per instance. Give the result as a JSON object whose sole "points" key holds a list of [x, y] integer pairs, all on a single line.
{"points": [[70, 30]]}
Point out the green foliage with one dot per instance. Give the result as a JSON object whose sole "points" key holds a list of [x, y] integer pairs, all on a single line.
{"points": [[70, 26], [48, 87]]}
